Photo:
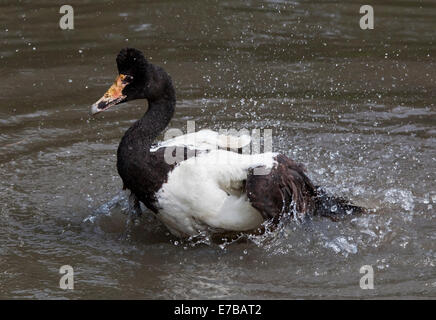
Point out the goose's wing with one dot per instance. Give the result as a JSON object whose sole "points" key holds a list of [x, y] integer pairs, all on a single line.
{"points": [[208, 192], [206, 140], [286, 185]]}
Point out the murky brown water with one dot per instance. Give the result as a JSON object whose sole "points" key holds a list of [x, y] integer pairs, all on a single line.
{"points": [[356, 107]]}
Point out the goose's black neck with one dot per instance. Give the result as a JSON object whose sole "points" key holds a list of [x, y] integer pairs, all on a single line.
{"points": [[133, 155], [144, 131]]}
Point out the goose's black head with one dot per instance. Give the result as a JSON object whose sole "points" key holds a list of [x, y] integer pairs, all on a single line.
{"points": [[131, 82]]}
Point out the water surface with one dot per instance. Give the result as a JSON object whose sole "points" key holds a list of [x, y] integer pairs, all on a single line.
{"points": [[356, 107]]}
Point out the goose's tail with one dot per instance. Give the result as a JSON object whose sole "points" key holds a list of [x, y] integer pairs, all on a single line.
{"points": [[287, 187], [334, 207]]}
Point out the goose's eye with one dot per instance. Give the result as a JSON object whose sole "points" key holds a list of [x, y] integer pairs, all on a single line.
{"points": [[127, 79]]}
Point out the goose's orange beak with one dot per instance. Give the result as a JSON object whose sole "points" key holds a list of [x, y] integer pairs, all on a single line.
{"points": [[112, 97]]}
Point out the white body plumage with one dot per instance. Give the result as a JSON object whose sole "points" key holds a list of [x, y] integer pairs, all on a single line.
{"points": [[205, 193]]}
